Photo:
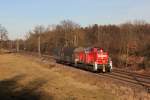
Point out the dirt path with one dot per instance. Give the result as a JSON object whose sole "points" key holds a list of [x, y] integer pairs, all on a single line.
{"points": [[26, 78]]}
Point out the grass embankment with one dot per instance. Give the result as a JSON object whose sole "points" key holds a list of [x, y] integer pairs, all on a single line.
{"points": [[21, 77]]}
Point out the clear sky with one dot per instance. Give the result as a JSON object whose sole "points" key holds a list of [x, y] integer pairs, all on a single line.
{"points": [[19, 16]]}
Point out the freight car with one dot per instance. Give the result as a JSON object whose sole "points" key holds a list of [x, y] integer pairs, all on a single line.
{"points": [[94, 59]]}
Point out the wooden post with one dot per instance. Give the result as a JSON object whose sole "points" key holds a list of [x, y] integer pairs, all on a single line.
{"points": [[39, 46], [17, 45]]}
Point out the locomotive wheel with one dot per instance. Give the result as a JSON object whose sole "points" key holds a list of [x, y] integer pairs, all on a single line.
{"points": [[109, 70], [75, 64]]}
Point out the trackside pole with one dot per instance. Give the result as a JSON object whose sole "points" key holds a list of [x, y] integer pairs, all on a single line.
{"points": [[39, 46], [17, 45]]}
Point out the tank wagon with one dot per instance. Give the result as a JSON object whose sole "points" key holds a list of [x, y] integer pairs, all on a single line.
{"points": [[92, 58]]}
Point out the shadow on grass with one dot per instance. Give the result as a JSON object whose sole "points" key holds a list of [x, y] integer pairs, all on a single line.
{"points": [[9, 90]]}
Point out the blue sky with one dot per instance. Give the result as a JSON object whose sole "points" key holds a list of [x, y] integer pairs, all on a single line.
{"points": [[19, 16]]}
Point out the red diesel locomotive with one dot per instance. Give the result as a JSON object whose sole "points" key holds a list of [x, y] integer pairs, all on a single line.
{"points": [[94, 58]]}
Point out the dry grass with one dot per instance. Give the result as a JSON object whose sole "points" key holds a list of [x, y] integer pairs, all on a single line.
{"points": [[28, 76], [23, 77]]}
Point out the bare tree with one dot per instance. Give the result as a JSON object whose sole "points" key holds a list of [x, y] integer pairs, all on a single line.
{"points": [[3, 35]]}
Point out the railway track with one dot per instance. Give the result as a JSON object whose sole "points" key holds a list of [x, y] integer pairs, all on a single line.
{"points": [[118, 74], [130, 77]]}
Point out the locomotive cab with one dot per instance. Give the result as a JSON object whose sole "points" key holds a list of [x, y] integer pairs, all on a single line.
{"points": [[103, 61]]}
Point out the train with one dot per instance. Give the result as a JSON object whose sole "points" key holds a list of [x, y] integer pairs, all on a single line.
{"points": [[92, 58]]}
